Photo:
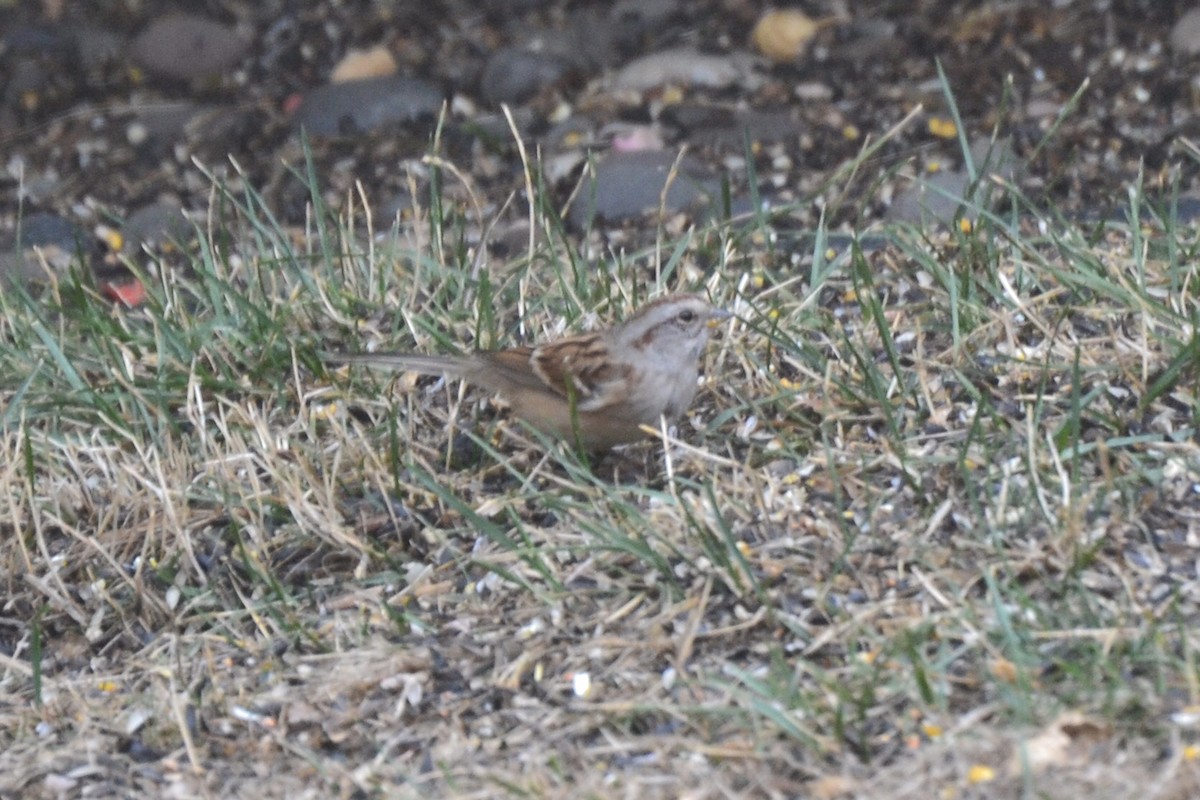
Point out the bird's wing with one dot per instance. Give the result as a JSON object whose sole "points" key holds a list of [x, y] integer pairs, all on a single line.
{"points": [[580, 368]]}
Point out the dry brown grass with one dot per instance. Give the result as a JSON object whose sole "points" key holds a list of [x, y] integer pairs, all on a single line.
{"points": [[934, 514]]}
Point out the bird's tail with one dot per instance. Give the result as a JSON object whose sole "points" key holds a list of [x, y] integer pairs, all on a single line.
{"points": [[407, 362]]}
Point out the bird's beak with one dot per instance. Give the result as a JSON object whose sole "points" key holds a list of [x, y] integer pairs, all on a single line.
{"points": [[718, 316]]}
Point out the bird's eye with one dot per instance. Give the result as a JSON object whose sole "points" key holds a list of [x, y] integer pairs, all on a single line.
{"points": [[687, 315]]}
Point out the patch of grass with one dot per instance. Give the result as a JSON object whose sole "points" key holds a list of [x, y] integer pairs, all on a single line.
{"points": [[945, 484]]}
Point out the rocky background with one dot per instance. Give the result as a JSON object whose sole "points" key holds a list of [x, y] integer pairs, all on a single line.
{"points": [[115, 115]]}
